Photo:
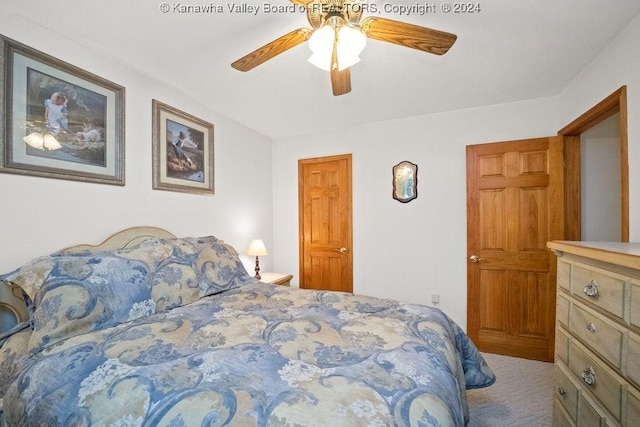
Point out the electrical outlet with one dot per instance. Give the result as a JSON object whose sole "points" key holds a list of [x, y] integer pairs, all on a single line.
{"points": [[435, 299]]}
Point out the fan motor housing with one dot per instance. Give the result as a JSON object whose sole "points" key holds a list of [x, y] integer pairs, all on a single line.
{"points": [[321, 11]]}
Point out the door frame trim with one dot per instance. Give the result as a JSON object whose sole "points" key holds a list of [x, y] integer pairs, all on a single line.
{"points": [[570, 135]]}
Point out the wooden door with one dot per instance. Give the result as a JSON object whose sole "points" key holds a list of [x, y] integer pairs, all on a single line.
{"points": [[324, 197], [514, 206]]}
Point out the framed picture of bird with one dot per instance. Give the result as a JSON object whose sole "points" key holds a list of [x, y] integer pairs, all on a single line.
{"points": [[183, 151]]}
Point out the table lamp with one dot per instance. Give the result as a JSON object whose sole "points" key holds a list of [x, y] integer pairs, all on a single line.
{"points": [[257, 249]]}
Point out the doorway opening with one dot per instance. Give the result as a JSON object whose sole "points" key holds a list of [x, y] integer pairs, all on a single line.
{"points": [[597, 172]]}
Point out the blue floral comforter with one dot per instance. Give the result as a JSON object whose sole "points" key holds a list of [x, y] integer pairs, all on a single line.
{"points": [[258, 354]]}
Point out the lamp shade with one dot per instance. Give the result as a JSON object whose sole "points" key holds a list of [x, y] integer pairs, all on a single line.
{"points": [[256, 248]]}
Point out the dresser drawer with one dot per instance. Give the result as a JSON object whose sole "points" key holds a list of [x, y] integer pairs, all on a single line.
{"points": [[562, 309], [600, 287], [633, 407], [635, 303], [597, 378], [603, 336], [560, 416], [590, 414], [562, 345], [563, 278], [633, 359], [566, 393]]}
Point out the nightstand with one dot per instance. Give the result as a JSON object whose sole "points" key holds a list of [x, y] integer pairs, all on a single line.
{"points": [[277, 278]]}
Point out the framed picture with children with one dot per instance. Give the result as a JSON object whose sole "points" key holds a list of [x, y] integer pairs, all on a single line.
{"points": [[59, 121]]}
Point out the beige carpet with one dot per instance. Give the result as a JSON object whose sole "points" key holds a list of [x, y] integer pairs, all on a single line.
{"points": [[521, 396]]}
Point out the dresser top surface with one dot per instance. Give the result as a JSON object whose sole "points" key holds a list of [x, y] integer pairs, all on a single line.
{"points": [[621, 253]]}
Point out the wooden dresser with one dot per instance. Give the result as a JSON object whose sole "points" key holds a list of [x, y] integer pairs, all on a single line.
{"points": [[597, 334]]}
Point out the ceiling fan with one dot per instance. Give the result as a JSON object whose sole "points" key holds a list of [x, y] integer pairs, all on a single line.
{"points": [[336, 28]]}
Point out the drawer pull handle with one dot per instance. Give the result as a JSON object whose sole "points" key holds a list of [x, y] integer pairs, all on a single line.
{"points": [[589, 376], [561, 391], [591, 289], [591, 328]]}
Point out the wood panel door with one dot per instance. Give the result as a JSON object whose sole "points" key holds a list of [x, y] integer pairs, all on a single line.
{"points": [[514, 206], [324, 192]]}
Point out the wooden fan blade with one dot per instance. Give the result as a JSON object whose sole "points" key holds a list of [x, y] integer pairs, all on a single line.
{"points": [[272, 49], [340, 81], [408, 35]]}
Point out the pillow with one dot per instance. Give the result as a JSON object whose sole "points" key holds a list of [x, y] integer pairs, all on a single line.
{"points": [[13, 353], [14, 330], [198, 267], [220, 269], [29, 277], [175, 279], [74, 294], [176, 282]]}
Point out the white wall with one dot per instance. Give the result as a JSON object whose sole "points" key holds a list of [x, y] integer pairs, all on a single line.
{"points": [[405, 251], [411, 251], [617, 65], [40, 215], [600, 186]]}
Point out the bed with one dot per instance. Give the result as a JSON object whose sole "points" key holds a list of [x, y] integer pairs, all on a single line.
{"points": [[150, 329]]}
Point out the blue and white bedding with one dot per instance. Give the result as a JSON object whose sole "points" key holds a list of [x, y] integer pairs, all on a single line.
{"points": [[175, 332]]}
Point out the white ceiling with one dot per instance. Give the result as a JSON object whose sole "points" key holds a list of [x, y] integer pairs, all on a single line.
{"points": [[511, 50]]}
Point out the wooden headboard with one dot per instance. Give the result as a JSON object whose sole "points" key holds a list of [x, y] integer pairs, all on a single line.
{"points": [[12, 307], [122, 239]]}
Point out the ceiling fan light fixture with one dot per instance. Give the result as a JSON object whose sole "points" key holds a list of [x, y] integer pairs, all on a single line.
{"points": [[350, 43], [321, 61], [338, 34], [321, 45]]}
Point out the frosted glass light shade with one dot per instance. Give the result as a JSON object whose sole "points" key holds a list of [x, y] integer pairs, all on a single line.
{"points": [[321, 45], [350, 44]]}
